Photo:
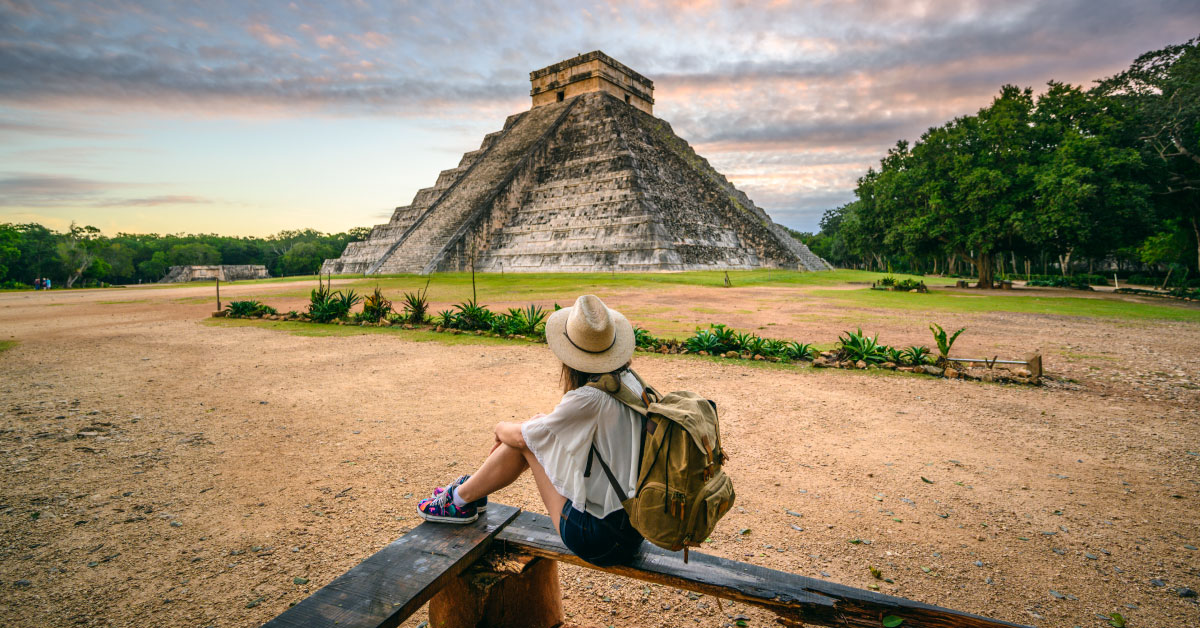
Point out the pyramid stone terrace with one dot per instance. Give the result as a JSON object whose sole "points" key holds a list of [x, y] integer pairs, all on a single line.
{"points": [[586, 180]]}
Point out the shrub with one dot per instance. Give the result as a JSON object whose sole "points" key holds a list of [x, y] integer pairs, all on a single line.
{"points": [[245, 309], [416, 305], [857, 346], [726, 339], [375, 307], [894, 355], [943, 342], [915, 356], [471, 316], [703, 340], [533, 321], [774, 348], [326, 306], [799, 351], [644, 339], [445, 318]]}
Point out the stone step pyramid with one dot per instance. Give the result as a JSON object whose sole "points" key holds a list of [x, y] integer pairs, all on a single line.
{"points": [[586, 180]]}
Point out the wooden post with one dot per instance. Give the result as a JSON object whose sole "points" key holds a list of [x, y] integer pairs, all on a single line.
{"points": [[501, 591]]}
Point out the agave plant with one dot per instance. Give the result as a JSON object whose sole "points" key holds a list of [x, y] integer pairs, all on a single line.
{"points": [[774, 348], [755, 345], [533, 321], [416, 305], [347, 300], [644, 338], [703, 340], [894, 355], [472, 316], [376, 307], [915, 356], [321, 307], [799, 351], [857, 346], [944, 342], [445, 318], [742, 342], [726, 338], [248, 308]]}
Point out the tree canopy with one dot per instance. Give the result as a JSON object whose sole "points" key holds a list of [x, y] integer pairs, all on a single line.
{"points": [[83, 254], [1109, 173]]}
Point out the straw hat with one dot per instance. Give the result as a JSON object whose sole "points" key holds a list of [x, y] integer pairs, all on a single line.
{"points": [[590, 337]]}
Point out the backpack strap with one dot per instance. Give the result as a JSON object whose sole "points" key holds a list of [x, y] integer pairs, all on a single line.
{"points": [[608, 472], [611, 384]]}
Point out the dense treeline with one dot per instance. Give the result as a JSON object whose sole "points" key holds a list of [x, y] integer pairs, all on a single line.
{"points": [[84, 256], [1103, 179]]}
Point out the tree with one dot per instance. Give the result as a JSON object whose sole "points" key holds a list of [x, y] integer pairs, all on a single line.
{"points": [[305, 258], [77, 251], [1163, 88], [154, 268], [38, 246], [193, 254], [9, 251]]}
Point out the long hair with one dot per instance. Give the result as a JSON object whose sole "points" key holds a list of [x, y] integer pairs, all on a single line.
{"points": [[572, 379]]}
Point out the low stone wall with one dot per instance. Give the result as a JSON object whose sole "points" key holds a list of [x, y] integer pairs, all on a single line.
{"points": [[239, 272]]}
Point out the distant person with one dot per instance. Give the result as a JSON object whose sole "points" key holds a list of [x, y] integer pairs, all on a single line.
{"points": [[591, 341], [46, 283], [37, 283]]}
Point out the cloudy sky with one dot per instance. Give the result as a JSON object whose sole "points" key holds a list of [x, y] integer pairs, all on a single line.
{"points": [[241, 117]]}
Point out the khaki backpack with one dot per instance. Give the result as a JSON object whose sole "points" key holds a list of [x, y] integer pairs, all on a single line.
{"points": [[681, 491]]}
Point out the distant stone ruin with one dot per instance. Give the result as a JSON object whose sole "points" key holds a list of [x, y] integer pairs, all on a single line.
{"points": [[184, 274], [586, 180]]}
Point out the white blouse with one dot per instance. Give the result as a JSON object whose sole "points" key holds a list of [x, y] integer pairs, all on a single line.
{"points": [[562, 439]]}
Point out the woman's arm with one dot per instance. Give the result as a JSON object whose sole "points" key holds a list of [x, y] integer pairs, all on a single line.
{"points": [[510, 434]]}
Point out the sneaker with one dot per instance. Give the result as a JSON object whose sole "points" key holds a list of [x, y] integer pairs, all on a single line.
{"points": [[443, 510], [479, 504]]}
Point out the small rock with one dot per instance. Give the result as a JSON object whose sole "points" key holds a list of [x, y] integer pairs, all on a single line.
{"points": [[25, 583], [1057, 595], [930, 369], [1186, 592], [731, 354], [860, 365], [1022, 372], [175, 524], [299, 580], [1157, 583], [891, 366], [950, 374]]}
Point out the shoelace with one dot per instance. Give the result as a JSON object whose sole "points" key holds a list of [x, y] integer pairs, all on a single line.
{"points": [[442, 499]]}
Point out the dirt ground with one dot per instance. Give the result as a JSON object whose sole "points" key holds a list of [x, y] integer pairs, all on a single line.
{"points": [[162, 471]]}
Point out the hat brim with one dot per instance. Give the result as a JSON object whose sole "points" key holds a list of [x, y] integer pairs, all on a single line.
{"points": [[614, 358]]}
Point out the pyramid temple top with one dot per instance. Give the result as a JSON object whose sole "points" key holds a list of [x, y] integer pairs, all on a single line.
{"points": [[591, 72]]}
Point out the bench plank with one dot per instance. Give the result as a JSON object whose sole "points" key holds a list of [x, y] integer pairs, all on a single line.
{"points": [[791, 596], [392, 584]]}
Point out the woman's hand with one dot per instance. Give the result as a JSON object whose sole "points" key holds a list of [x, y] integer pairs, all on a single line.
{"points": [[509, 434]]}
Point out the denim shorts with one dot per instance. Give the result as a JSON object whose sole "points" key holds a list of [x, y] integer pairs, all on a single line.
{"points": [[601, 542]]}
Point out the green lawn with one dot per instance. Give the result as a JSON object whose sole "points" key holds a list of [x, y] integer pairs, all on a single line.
{"points": [[943, 301], [456, 287], [563, 287], [5, 345]]}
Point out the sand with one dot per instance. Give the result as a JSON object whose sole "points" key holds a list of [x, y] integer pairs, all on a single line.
{"points": [[162, 471]]}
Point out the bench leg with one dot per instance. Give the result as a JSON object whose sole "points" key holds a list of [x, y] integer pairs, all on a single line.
{"points": [[510, 596]]}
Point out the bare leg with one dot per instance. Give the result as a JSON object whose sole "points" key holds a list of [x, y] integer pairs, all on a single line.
{"points": [[503, 467], [550, 496]]}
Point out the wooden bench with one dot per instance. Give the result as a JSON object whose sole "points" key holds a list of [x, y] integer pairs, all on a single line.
{"points": [[502, 571]]}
